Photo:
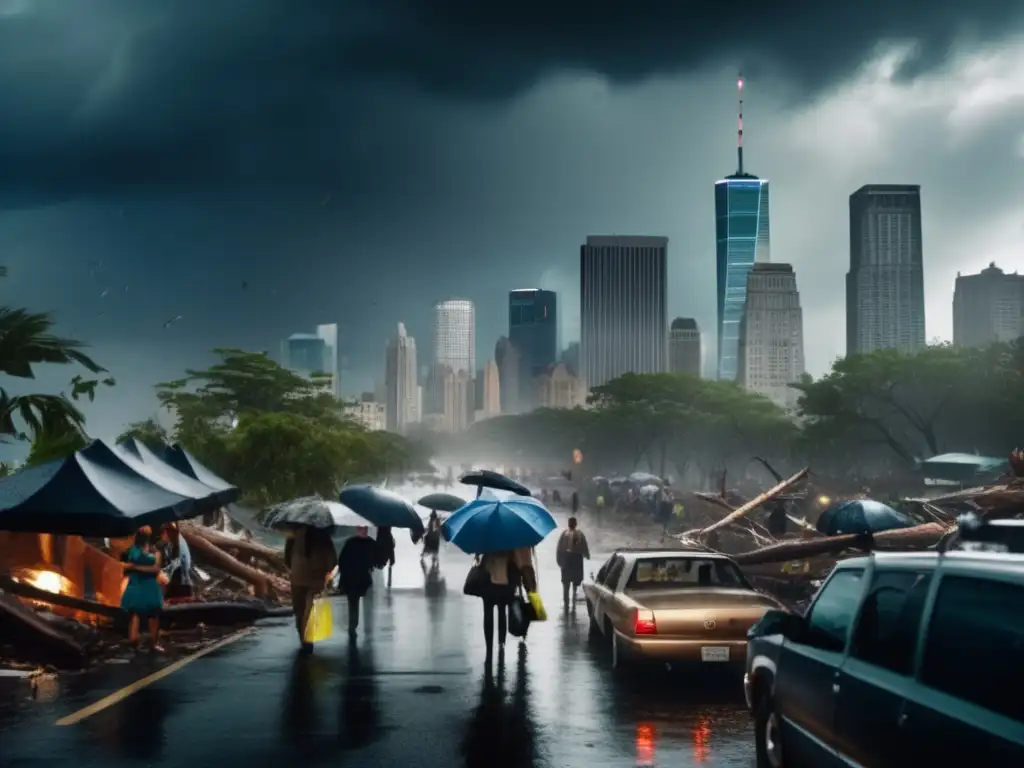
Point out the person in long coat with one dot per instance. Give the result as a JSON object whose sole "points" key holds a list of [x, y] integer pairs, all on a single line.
{"points": [[355, 566], [310, 557], [571, 552]]}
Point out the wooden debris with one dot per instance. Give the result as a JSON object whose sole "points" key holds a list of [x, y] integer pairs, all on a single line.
{"points": [[751, 505], [265, 584], [37, 637], [917, 537]]}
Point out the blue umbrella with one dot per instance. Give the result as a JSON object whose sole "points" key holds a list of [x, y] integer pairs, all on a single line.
{"points": [[861, 516], [495, 525], [382, 508]]}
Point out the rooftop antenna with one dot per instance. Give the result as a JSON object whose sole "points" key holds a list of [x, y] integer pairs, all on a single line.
{"points": [[739, 125]]}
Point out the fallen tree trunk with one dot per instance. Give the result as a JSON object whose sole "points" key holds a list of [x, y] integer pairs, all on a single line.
{"points": [[269, 556], [264, 583], [188, 615], [8, 584], [753, 504], [917, 537], [37, 638]]}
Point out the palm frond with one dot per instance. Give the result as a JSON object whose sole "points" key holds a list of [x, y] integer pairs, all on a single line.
{"points": [[50, 414], [25, 340]]}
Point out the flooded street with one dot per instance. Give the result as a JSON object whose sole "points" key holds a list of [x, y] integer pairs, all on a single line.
{"points": [[413, 692]]}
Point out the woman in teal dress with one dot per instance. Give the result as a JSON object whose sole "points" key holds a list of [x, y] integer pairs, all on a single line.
{"points": [[143, 597]]}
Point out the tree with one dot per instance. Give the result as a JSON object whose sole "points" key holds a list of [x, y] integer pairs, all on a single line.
{"points": [[915, 405], [26, 340], [149, 432], [51, 446], [275, 434]]}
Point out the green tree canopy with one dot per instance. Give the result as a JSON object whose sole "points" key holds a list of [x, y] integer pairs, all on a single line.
{"points": [[274, 433], [149, 432]]}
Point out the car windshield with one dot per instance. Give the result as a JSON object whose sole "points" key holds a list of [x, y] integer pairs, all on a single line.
{"points": [[681, 572]]}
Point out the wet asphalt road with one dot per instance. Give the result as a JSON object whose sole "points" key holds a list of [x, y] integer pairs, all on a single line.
{"points": [[412, 691]]}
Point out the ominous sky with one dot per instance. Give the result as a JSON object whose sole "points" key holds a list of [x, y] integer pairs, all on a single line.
{"points": [[355, 161]]}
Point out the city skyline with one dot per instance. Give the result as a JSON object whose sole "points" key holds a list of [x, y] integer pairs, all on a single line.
{"points": [[250, 232]]}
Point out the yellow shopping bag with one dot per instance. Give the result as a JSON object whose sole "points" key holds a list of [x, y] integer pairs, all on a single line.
{"points": [[320, 624], [539, 612]]}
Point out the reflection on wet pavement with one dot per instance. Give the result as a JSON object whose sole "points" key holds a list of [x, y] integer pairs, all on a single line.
{"points": [[412, 691]]}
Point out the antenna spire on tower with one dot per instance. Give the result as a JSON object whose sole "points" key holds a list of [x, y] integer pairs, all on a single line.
{"points": [[739, 131]]}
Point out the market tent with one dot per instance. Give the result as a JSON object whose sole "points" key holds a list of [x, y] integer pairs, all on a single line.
{"points": [[89, 493], [183, 461], [157, 469]]}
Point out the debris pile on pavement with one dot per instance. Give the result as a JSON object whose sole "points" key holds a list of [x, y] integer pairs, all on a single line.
{"points": [[775, 539], [49, 620]]}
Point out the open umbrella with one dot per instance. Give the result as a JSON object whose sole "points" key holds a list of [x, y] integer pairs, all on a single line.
{"points": [[861, 516], [382, 508], [314, 512], [496, 525], [485, 478], [442, 502]]}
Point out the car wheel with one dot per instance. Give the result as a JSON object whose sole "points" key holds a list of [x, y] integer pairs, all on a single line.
{"points": [[767, 734]]}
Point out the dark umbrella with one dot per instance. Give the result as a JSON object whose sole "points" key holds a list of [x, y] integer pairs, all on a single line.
{"points": [[485, 478], [861, 516], [441, 502], [382, 508]]}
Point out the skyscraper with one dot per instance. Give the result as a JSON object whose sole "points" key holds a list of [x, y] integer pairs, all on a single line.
{"points": [[402, 403], [455, 335], [509, 361], [623, 297], [315, 353], [988, 307], [685, 352], [533, 327], [743, 237], [490, 385], [772, 335], [885, 284]]}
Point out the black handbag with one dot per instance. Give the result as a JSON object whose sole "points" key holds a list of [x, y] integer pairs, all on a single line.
{"points": [[520, 614], [477, 581]]}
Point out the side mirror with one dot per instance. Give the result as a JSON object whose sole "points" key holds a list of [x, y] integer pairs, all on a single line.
{"points": [[778, 622]]}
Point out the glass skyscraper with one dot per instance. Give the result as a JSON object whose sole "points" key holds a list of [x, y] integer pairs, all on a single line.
{"points": [[533, 327], [742, 238]]}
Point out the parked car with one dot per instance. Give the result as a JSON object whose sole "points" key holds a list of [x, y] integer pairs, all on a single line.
{"points": [[900, 660], [673, 606]]}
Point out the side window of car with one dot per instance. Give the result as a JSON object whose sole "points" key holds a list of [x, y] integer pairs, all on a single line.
{"points": [[975, 642], [615, 573], [602, 574], [890, 620], [828, 623]]}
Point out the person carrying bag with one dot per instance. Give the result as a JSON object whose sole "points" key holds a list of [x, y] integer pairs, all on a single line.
{"points": [[497, 578]]}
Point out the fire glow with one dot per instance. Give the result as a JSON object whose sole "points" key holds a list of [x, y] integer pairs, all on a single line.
{"points": [[48, 581]]}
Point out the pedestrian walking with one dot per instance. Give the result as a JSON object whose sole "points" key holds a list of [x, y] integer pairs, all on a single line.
{"points": [[504, 573], [385, 550], [572, 550], [310, 557], [432, 537], [143, 597], [355, 564], [575, 503]]}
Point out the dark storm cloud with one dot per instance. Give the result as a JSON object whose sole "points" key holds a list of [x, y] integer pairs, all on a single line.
{"points": [[103, 95]]}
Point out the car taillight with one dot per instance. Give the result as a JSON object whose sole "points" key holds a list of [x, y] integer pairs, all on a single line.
{"points": [[644, 624]]}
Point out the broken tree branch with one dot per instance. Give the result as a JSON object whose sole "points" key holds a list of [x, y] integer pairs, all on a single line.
{"points": [[753, 504], [919, 537], [272, 558], [263, 583]]}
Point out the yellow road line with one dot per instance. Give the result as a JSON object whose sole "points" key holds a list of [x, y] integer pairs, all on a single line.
{"points": [[138, 685]]}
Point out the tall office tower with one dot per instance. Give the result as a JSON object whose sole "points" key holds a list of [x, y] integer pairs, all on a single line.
{"points": [[988, 307], [315, 353], [491, 402], [458, 397], [533, 328], [509, 361], [623, 297], [455, 335], [885, 284], [772, 335], [685, 352], [402, 406], [743, 238]]}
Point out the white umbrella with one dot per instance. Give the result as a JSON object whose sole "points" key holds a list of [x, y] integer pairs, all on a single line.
{"points": [[314, 512]]}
